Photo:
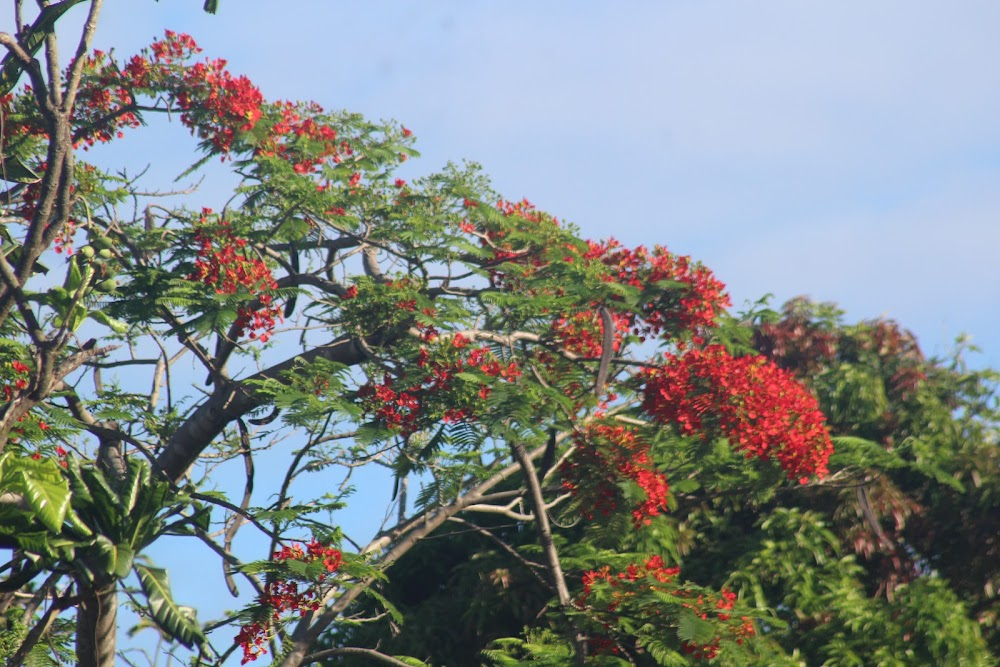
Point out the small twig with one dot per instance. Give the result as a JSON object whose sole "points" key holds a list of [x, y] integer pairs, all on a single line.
{"points": [[530, 566], [237, 519]]}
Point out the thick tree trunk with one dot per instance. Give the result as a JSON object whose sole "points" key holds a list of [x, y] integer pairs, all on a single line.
{"points": [[97, 624]]}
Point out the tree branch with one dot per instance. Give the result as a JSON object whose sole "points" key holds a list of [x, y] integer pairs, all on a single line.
{"points": [[313, 625], [233, 399], [351, 650]]}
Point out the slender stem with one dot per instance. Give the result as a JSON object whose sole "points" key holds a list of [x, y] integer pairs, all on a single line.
{"points": [[548, 545], [76, 71]]}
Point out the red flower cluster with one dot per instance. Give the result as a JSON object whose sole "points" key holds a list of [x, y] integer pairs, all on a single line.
{"points": [[740, 632], [20, 383], [301, 140], [695, 307], [654, 567], [524, 209], [105, 105], [635, 581], [173, 47], [583, 333], [282, 595], [20, 116], [29, 198], [436, 393], [759, 407], [14, 377], [605, 455], [496, 239], [215, 102], [225, 263], [395, 409]]}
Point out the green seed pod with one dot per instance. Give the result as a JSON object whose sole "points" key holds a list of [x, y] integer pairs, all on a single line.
{"points": [[105, 253], [87, 252], [103, 242], [106, 286]]}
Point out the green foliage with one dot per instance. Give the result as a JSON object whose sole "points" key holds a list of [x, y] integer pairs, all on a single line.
{"points": [[176, 621], [335, 324]]}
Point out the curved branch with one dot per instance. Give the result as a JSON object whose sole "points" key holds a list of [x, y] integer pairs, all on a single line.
{"points": [[350, 650], [232, 399], [313, 624]]}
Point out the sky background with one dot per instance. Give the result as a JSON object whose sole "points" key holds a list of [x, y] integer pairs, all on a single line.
{"points": [[849, 151], [845, 150]]}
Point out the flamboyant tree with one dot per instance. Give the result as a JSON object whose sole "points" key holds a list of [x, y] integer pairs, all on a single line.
{"points": [[890, 560], [509, 378]]}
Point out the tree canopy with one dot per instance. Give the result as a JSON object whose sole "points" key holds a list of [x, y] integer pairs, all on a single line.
{"points": [[590, 458]]}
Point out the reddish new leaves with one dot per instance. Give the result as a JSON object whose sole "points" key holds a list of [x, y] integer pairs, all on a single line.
{"points": [[761, 408]]}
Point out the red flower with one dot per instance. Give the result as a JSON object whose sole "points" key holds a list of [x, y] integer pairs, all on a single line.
{"points": [[282, 595], [605, 455], [759, 407]]}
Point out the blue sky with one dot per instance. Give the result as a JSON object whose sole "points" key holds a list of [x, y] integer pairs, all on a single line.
{"points": [[846, 150]]}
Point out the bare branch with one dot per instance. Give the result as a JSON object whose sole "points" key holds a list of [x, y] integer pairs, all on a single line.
{"points": [[76, 70], [350, 650]]}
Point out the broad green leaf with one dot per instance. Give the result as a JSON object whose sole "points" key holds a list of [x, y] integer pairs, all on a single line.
{"points": [[74, 277], [168, 614], [16, 171], [104, 555], [35, 542], [77, 524], [136, 478], [81, 494], [101, 317], [106, 506], [31, 41], [48, 500], [76, 317], [124, 559]]}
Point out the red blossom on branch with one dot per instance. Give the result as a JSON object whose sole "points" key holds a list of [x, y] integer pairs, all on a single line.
{"points": [[631, 587], [693, 304], [284, 595], [225, 263], [434, 394], [605, 455], [759, 407]]}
